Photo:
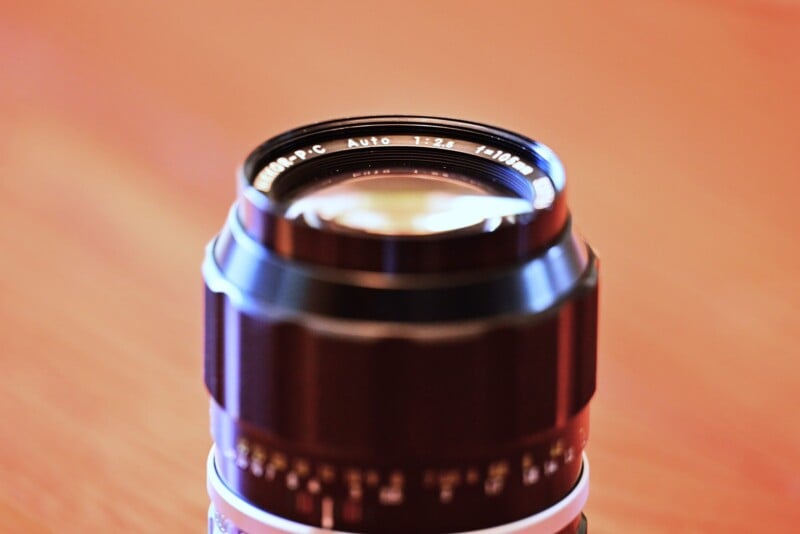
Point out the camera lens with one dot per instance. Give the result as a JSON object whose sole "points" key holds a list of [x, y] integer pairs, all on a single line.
{"points": [[401, 332]]}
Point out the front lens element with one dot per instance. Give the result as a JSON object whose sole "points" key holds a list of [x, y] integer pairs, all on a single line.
{"points": [[406, 203], [400, 335]]}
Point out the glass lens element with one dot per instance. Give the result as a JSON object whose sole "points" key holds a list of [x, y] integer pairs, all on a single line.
{"points": [[406, 204]]}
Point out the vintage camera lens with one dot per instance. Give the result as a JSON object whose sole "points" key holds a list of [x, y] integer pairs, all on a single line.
{"points": [[401, 332]]}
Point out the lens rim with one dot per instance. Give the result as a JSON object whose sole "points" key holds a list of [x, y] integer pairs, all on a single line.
{"points": [[263, 213]]}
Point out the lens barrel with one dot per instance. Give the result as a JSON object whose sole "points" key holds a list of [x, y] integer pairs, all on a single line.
{"points": [[432, 381]]}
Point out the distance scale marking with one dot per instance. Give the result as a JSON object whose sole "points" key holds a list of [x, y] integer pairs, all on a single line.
{"points": [[543, 188], [231, 514], [307, 480]]}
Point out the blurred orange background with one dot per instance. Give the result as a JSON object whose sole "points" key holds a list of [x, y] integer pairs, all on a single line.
{"points": [[121, 126]]}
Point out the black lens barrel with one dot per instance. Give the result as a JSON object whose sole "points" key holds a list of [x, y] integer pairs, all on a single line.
{"points": [[422, 384]]}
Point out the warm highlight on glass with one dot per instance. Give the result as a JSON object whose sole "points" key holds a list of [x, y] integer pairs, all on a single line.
{"points": [[401, 334], [406, 203]]}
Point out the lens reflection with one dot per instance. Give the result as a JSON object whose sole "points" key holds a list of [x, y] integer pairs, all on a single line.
{"points": [[406, 204]]}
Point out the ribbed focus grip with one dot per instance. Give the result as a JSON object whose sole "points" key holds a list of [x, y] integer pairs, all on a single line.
{"points": [[387, 396]]}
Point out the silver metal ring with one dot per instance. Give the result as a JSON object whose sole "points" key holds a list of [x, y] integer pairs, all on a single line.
{"points": [[228, 509]]}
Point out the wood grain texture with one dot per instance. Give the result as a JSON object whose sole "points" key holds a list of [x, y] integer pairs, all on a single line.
{"points": [[120, 128]]}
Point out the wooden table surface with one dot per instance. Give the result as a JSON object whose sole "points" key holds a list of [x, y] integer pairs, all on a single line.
{"points": [[120, 129]]}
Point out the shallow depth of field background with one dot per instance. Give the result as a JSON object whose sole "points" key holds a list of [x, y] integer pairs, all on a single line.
{"points": [[121, 125]]}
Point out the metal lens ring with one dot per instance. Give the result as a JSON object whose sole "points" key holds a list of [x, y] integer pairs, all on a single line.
{"points": [[230, 513], [517, 184]]}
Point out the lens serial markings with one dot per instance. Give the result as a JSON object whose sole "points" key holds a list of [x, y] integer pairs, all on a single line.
{"points": [[505, 157], [438, 142], [273, 169], [367, 141]]}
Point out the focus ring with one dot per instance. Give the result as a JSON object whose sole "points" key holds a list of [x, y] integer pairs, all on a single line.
{"points": [[326, 390]]}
